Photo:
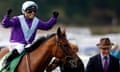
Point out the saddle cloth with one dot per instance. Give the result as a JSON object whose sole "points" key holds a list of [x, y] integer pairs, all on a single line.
{"points": [[13, 64]]}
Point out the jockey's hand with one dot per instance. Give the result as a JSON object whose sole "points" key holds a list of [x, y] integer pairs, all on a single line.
{"points": [[9, 11], [55, 14]]}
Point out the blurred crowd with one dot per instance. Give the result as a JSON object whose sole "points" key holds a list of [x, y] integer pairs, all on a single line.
{"points": [[115, 51]]}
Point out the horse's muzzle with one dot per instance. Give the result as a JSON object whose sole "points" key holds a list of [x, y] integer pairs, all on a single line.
{"points": [[73, 63]]}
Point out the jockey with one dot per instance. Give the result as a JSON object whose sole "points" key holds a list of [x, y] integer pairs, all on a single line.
{"points": [[24, 28]]}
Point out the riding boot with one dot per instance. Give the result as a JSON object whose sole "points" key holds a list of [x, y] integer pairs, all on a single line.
{"points": [[12, 55]]}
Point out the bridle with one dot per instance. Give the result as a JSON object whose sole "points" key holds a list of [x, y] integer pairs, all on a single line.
{"points": [[64, 47]]}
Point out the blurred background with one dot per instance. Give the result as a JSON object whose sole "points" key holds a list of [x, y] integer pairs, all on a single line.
{"points": [[95, 14], [86, 21]]}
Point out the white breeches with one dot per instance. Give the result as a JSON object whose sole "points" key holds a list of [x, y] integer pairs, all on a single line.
{"points": [[18, 46]]}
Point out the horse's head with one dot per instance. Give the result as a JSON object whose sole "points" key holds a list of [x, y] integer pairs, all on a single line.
{"points": [[63, 48], [69, 59]]}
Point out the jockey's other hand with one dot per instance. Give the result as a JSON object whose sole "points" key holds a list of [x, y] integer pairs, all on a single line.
{"points": [[9, 11], [55, 14]]}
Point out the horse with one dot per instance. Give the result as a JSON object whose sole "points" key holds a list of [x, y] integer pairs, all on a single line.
{"points": [[40, 53], [74, 64]]}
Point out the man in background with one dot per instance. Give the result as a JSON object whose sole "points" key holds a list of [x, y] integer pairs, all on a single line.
{"points": [[103, 62]]}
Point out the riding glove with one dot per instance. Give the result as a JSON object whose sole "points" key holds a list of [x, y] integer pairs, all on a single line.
{"points": [[55, 14]]}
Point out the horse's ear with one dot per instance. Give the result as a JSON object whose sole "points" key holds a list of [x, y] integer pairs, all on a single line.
{"points": [[64, 32], [59, 31]]}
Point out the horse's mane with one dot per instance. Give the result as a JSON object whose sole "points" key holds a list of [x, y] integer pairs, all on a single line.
{"points": [[38, 42]]}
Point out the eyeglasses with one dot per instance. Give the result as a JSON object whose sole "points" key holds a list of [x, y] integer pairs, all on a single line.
{"points": [[30, 10]]}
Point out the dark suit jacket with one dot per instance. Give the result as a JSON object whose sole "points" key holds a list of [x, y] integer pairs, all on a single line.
{"points": [[95, 64]]}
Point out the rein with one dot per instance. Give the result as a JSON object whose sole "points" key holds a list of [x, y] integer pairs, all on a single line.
{"points": [[28, 62]]}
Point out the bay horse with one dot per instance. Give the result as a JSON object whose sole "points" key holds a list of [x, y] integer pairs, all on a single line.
{"points": [[65, 66], [42, 51]]}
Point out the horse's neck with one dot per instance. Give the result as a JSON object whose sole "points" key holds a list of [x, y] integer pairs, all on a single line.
{"points": [[41, 56]]}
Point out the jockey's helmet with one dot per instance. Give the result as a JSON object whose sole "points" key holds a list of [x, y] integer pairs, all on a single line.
{"points": [[29, 4]]}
